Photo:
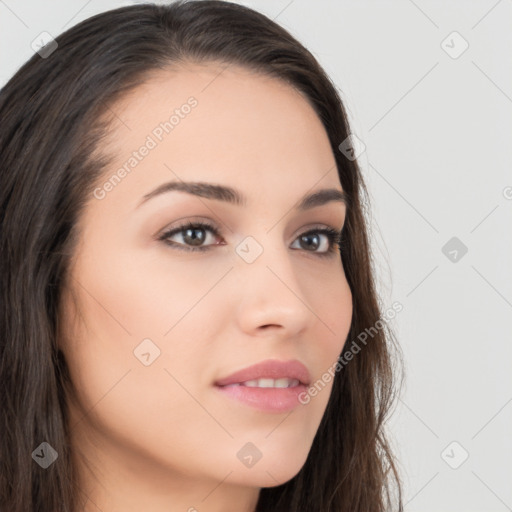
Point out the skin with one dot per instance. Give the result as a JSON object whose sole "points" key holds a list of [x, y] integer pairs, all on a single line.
{"points": [[161, 437]]}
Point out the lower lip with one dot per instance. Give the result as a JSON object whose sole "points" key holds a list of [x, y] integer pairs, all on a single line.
{"points": [[266, 399]]}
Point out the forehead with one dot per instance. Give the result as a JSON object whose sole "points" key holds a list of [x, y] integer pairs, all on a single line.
{"points": [[223, 123]]}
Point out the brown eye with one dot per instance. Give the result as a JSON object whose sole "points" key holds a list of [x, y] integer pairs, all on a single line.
{"points": [[312, 240], [193, 236]]}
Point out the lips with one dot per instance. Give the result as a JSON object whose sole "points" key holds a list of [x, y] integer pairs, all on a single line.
{"points": [[269, 369]]}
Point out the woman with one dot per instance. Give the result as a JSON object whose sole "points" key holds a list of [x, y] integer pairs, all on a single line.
{"points": [[185, 265]]}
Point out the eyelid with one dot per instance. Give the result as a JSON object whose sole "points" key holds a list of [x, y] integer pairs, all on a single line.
{"points": [[195, 221], [334, 235]]}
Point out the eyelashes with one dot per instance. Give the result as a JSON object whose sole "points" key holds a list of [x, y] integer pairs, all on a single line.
{"points": [[191, 229]]}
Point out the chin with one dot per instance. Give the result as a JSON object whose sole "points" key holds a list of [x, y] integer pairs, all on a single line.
{"points": [[276, 470]]}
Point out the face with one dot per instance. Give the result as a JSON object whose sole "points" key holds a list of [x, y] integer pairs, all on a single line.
{"points": [[164, 310]]}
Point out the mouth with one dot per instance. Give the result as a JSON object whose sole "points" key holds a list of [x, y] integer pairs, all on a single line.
{"points": [[269, 373], [269, 386], [267, 383]]}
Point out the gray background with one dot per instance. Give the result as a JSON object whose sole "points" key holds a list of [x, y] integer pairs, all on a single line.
{"points": [[437, 129]]}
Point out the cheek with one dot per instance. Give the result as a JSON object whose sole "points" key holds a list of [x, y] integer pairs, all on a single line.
{"points": [[135, 294], [331, 305], [146, 408], [136, 316], [123, 306], [152, 294]]}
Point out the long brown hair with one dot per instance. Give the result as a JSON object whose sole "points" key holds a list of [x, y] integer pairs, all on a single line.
{"points": [[50, 134]]}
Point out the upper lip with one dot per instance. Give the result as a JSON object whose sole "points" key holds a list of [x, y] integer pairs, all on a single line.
{"points": [[269, 369]]}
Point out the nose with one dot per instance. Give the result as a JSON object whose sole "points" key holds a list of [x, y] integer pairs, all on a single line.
{"points": [[269, 296]]}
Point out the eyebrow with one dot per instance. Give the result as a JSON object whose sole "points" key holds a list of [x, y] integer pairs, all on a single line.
{"points": [[233, 196]]}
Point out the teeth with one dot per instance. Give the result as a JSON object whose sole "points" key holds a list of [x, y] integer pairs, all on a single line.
{"points": [[271, 383]]}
